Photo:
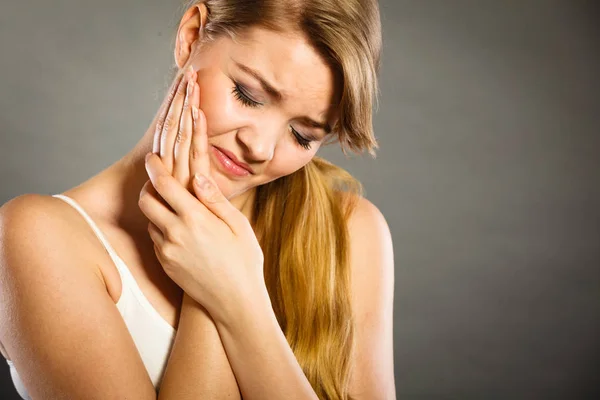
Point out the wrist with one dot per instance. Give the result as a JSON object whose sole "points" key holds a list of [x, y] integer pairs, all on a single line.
{"points": [[242, 312]]}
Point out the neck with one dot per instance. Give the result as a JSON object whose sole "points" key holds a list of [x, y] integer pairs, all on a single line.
{"points": [[113, 193]]}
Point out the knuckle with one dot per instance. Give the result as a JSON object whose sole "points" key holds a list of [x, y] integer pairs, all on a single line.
{"points": [[168, 251], [171, 95], [143, 201], [195, 153], [173, 234], [167, 123], [188, 220], [181, 136], [158, 251], [181, 88]]}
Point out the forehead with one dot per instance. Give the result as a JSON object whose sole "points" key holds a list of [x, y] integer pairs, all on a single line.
{"points": [[291, 64]]}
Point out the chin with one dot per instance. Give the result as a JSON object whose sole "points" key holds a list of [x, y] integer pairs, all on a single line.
{"points": [[230, 188]]}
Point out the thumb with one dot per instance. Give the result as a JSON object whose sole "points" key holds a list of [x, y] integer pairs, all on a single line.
{"points": [[211, 196]]}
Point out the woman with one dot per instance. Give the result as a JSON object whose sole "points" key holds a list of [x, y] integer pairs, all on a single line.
{"points": [[268, 277]]}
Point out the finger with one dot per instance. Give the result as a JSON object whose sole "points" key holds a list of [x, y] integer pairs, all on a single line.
{"points": [[176, 195], [149, 189], [171, 125], [210, 195], [156, 235], [155, 210], [163, 114], [181, 168], [160, 256], [199, 156]]}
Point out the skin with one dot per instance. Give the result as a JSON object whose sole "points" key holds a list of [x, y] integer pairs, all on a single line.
{"points": [[261, 137]]}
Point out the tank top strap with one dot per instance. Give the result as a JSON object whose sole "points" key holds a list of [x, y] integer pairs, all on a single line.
{"points": [[129, 283], [92, 224]]}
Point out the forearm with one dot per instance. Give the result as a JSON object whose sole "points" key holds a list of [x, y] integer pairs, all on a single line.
{"points": [[198, 366], [263, 362]]}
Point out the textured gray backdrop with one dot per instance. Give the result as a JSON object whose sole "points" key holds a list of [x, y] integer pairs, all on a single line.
{"points": [[488, 171]]}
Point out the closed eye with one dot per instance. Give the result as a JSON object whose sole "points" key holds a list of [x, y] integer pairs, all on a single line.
{"points": [[241, 96], [302, 141]]}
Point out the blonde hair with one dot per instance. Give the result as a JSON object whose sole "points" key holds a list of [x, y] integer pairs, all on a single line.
{"points": [[301, 219]]}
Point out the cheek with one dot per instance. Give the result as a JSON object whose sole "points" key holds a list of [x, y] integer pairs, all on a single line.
{"points": [[223, 115], [217, 103], [288, 159]]}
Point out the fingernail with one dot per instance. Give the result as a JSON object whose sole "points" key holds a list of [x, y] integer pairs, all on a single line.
{"points": [[202, 182], [195, 113], [190, 88], [148, 156], [190, 71]]}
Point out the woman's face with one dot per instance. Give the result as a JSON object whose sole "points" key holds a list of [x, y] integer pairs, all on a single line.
{"points": [[267, 99]]}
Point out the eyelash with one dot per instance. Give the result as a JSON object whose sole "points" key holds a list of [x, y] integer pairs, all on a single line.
{"points": [[248, 102]]}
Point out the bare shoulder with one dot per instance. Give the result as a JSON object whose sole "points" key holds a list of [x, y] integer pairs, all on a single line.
{"points": [[41, 223], [370, 241], [34, 221], [19, 207], [31, 213], [30, 207], [372, 276], [371, 258], [57, 321], [367, 215]]}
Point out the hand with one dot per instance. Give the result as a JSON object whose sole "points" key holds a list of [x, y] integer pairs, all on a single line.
{"points": [[207, 247], [173, 130]]}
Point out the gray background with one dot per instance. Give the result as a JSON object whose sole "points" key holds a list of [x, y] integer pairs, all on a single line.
{"points": [[488, 172]]}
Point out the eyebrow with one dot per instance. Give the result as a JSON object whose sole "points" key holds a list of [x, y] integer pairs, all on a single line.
{"points": [[267, 87]]}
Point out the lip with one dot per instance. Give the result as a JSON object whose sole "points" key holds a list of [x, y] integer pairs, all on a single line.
{"points": [[230, 163]]}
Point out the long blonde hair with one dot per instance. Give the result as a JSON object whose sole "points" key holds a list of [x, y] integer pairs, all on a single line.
{"points": [[301, 219]]}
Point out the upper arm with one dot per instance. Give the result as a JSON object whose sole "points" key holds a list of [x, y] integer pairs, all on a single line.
{"points": [[372, 266], [57, 320]]}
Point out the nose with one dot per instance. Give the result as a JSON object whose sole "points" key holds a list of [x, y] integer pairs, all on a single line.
{"points": [[258, 142]]}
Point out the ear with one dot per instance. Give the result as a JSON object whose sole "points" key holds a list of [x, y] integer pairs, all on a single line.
{"points": [[190, 32]]}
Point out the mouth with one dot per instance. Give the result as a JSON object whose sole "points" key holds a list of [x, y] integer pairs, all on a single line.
{"points": [[230, 163]]}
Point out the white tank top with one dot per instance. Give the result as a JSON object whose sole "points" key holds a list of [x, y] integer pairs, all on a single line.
{"points": [[153, 336]]}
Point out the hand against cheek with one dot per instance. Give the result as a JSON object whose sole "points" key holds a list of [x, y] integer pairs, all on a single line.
{"points": [[203, 242], [173, 129]]}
